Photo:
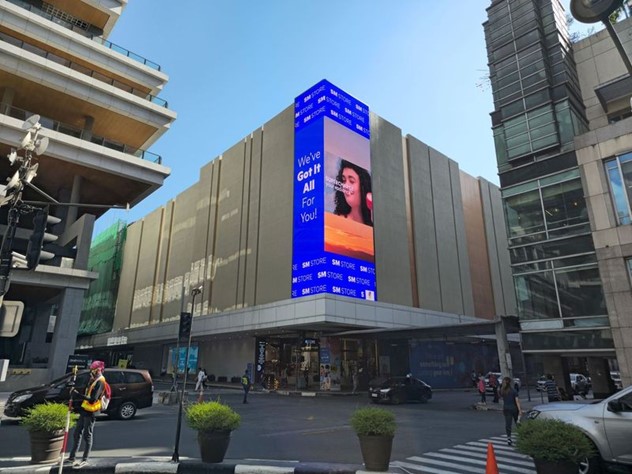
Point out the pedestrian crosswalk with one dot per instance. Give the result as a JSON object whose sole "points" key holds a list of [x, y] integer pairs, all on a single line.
{"points": [[469, 458]]}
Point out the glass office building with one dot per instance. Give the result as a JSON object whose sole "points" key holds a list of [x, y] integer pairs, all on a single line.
{"points": [[544, 105]]}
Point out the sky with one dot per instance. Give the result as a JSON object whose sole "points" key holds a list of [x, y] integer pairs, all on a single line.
{"points": [[235, 64]]}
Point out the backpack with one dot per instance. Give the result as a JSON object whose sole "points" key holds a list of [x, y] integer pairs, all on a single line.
{"points": [[107, 395]]}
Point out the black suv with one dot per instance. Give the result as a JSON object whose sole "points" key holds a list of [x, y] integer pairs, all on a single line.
{"points": [[132, 389]]}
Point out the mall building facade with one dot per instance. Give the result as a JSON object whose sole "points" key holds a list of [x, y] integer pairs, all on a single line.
{"points": [[563, 140], [433, 255]]}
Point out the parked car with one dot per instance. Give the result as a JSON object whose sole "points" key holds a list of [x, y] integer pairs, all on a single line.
{"points": [[607, 423], [399, 390], [132, 389], [499, 379]]}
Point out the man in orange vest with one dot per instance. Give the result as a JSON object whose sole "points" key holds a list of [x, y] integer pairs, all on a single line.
{"points": [[90, 406]]}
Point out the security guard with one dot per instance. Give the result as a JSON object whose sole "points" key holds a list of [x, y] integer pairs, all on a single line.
{"points": [[90, 406]]}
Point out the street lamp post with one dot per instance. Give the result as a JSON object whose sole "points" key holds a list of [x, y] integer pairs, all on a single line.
{"points": [[176, 455]]}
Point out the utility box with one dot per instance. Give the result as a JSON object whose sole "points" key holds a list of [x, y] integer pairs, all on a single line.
{"points": [[4, 368]]}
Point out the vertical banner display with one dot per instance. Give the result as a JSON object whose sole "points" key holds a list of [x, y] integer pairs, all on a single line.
{"points": [[333, 249]]}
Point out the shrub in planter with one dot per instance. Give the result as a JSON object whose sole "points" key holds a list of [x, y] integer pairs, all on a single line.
{"points": [[375, 428], [555, 446], [214, 423], [46, 424]]}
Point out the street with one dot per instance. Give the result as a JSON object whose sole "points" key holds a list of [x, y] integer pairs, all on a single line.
{"points": [[307, 429]]}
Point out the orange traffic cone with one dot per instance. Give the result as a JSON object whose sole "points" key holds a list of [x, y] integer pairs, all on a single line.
{"points": [[491, 467]]}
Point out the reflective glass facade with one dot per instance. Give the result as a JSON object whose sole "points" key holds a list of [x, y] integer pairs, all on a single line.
{"points": [[537, 113], [619, 173]]}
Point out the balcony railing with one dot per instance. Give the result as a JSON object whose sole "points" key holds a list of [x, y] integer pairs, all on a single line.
{"points": [[119, 49], [82, 69], [84, 134]]}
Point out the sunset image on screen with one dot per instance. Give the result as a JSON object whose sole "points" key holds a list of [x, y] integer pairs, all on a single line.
{"points": [[347, 237]]}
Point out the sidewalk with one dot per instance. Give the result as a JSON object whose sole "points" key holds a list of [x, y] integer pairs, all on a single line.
{"points": [[163, 465]]}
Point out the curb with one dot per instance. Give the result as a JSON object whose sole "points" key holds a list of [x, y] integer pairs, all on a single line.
{"points": [[188, 467]]}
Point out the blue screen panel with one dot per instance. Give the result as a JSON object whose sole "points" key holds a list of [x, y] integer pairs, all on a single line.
{"points": [[333, 250]]}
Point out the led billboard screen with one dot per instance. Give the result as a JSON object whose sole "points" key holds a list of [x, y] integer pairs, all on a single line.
{"points": [[333, 200]]}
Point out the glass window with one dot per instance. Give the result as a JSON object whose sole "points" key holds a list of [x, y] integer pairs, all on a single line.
{"points": [[134, 377], [580, 292], [619, 172], [536, 296], [114, 377], [564, 204], [524, 213]]}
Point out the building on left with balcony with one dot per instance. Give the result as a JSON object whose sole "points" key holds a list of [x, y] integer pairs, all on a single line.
{"points": [[99, 108]]}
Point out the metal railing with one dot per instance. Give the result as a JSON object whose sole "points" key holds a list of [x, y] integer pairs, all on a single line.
{"points": [[66, 24], [82, 134], [82, 69]]}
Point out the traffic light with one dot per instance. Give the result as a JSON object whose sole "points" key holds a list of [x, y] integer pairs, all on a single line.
{"points": [[185, 327], [39, 237]]}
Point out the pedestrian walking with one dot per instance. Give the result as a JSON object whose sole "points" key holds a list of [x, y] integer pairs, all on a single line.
{"points": [[245, 383], [474, 378], [481, 389], [90, 407], [201, 377], [493, 383], [354, 381], [511, 407], [552, 391]]}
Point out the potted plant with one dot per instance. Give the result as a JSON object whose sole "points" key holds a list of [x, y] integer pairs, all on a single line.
{"points": [[46, 423], [214, 423], [375, 428], [556, 447]]}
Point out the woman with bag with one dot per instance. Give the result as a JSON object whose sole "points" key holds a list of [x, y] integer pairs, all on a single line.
{"points": [[511, 406]]}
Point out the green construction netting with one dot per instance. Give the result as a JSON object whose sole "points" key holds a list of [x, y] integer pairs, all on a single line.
{"points": [[106, 256]]}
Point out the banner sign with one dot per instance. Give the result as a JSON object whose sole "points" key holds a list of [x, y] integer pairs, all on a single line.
{"points": [[333, 249]]}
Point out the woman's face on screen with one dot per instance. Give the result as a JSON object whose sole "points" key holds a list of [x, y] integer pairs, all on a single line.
{"points": [[351, 187]]}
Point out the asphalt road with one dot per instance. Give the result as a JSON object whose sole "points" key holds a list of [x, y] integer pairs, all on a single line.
{"points": [[275, 427]]}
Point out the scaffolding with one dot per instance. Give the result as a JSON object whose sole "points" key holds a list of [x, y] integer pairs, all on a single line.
{"points": [[106, 257]]}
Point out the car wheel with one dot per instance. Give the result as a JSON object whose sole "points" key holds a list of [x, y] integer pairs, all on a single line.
{"points": [[126, 411], [590, 466]]}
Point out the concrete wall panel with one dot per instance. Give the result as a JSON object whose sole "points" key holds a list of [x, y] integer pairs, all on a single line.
{"points": [[392, 258], [484, 304], [449, 273], [146, 268], [228, 229], [252, 229], [161, 271], [461, 239], [274, 257], [423, 221]]}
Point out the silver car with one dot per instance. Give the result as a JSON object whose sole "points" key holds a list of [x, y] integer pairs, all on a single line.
{"points": [[607, 423]]}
